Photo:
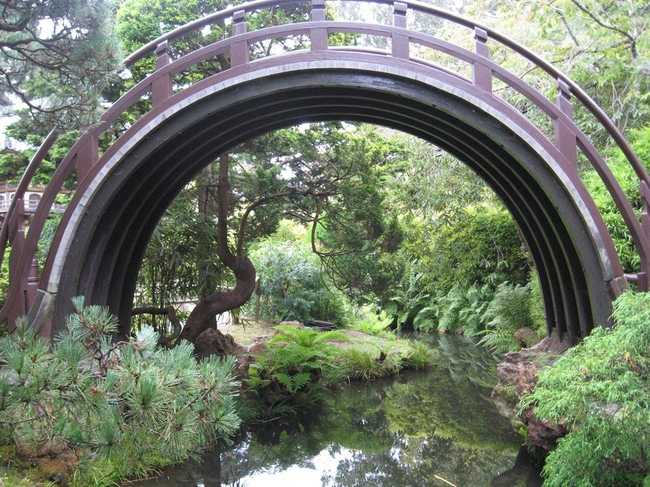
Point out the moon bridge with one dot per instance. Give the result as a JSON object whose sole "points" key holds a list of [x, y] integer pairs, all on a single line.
{"points": [[421, 84]]}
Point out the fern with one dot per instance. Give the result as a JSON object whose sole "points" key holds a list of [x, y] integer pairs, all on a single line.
{"points": [[426, 319], [294, 383]]}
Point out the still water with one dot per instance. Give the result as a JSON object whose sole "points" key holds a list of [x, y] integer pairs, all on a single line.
{"points": [[429, 428]]}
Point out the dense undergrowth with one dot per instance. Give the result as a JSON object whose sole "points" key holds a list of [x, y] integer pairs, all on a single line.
{"points": [[602, 389], [300, 364], [114, 411]]}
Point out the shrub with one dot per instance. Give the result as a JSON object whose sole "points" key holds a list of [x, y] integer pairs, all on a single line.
{"points": [[480, 247], [127, 408], [508, 311], [291, 284], [292, 369], [367, 321], [482, 311], [601, 388]]}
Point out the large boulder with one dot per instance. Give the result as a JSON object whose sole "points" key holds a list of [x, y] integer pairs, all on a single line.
{"points": [[517, 375]]}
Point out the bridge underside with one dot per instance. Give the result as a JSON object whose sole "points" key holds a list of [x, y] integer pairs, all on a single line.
{"points": [[104, 255]]}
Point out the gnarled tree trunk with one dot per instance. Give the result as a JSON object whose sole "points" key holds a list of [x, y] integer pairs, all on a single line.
{"points": [[207, 308], [202, 317]]}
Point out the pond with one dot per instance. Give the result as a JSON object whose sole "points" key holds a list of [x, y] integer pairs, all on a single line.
{"points": [[436, 427]]}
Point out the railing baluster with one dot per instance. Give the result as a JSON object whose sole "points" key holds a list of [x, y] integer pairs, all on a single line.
{"points": [[400, 42], [319, 40], [87, 156], [482, 73], [642, 283], [17, 241], [565, 139], [32, 285], [239, 50], [161, 88]]}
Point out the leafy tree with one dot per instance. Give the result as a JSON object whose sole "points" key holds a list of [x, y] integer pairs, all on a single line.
{"points": [[600, 388], [630, 184], [480, 245], [141, 21], [326, 175], [602, 45], [55, 58], [291, 284]]}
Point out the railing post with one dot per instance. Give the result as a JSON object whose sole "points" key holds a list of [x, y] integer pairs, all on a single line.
{"points": [[17, 241], [32, 285], [482, 73], [400, 42], [87, 156], [565, 139], [161, 88], [319, 40], [16, 236], [239, 50], [643, 284]]}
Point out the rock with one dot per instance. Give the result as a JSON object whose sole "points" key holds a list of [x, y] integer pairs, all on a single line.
{"points": [[517, 375], [213, 342], [257, 348], [526, 337], [527, 376], [507, 373], [295, 324], [541, 432], [58, 469], [505, 399]]}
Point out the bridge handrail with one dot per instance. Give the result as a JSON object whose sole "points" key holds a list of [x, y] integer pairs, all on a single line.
{"points": [[576, 90], [640, 238], [22, 187], [85, 152]]}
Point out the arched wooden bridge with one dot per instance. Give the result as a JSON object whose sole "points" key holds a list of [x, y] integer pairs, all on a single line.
{"points": [[122, 192]]}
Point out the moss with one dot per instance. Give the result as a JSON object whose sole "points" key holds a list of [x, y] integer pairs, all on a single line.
{"points": [[544, 358]]}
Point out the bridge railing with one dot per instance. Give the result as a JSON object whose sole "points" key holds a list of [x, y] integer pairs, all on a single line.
{"points": [[159, 86]]}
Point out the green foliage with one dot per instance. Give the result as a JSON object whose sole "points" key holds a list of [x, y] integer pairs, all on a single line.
{"points": [[408, 297], [482, 247], [362, 364], [295, 367], [494, 314], [601, 388], [181, 259], [367, 321], [128, 408], [56, 55], [4, 277], [509, 310], [466, 309], [629, 182], [420, 355], [291, 285]]}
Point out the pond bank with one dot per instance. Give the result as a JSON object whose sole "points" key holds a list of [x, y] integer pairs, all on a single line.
{"points": [[431, 427]]}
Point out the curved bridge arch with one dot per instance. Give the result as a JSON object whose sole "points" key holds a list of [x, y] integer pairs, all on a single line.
{"points": [[101, 240]]}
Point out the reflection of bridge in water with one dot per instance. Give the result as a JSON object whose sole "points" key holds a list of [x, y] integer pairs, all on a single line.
{"points": [[123, 191]]}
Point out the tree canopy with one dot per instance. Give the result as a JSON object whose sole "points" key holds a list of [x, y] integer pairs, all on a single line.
{"points": [[55, 58]]}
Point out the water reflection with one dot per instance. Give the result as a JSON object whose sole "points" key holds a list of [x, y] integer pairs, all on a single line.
{"points": [[431, 428]]}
